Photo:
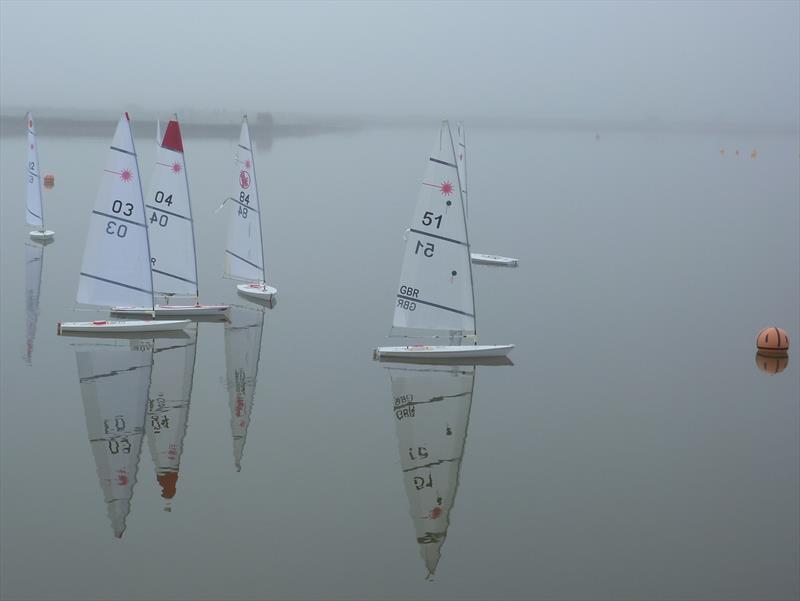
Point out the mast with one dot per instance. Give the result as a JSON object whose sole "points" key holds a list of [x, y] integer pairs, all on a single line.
{"points": [[462, 189], [255, 185]]}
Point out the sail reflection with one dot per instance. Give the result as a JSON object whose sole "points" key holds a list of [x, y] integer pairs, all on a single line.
{"points": [[431, 409], [168, 407], [34, 261], [114, 378], [242, 352]]}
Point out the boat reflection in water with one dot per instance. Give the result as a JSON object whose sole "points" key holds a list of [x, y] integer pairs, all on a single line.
{"points": [[432, 404], [168, 407], [114, 378], [34, 261], [242, 352]]}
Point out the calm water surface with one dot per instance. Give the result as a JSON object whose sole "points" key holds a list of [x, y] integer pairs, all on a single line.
{"points": [[633, 451]]}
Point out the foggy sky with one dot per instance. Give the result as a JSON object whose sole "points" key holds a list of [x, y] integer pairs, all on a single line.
{"points": [[733, 61]]}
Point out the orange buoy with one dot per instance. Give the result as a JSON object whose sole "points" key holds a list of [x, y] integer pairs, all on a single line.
{"points": [[771, 364], [754, 154], [772, 341], [722, 152], [49, 181]]}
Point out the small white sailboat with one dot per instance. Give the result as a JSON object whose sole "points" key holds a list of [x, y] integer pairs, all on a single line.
{"points": [[435, 297], [168, 408], [461, 161], [116, 268], [34, 215], [170, 227], [431, 408], [114, 381], [244, 251], [242, 353]]}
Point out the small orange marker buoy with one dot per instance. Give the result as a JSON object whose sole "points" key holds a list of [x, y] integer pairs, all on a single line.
{"points": [[722, 152], [771, 364], [754, 154], [49, 181], [772, 341]]}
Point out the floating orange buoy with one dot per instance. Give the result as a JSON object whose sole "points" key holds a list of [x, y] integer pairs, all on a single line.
{"points": [[754, 154], [772, 341], [722, 152], [771, 364], [49, 181]]}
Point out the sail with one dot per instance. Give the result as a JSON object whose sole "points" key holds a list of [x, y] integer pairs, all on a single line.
{"points": [[114, 381], [242, 352], [168, 407], [244, 252], [116, 258], [431, 410], [34, 259], [461, 161], [168, 210], [158, 132], [35, 213], [435, 294]]}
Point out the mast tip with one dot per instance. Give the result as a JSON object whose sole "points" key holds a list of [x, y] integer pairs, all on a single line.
{"points": [[127, 116]]}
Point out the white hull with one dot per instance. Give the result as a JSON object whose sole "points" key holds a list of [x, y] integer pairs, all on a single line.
{"points": [[258, 291], [114, 327], [174, 310], [424, 351], [480, 259], [42, 234]]}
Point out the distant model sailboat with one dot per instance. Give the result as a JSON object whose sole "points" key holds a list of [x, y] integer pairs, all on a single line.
{"points": [[170, 228], [116, 268], [435, 298], [244, 252], [168, 408], [461, 161], [431, 409], [34, 215], [114, 380], [242, 353]]}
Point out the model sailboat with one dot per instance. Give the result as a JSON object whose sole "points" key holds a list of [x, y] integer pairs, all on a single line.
{"points": [[168, 408], [431, 409], [114, 381], [34, 214], [244, 252], [242, 353], [170, 228], [116, 267], [435, 298], [461, 161]]}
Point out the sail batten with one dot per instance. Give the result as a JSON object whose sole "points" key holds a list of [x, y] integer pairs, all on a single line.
{"points": [[435, 293]]}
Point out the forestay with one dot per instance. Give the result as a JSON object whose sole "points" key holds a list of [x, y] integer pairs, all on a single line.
{"points": [[34, 215], [114, 382], [431, 409], [34, 259], [435, 296], [169, 219], [242, 353], [116, 259], [168, 406], [244, 252]]}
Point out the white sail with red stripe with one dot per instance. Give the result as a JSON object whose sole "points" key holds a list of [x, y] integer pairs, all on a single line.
{"points": [[168, 210]]}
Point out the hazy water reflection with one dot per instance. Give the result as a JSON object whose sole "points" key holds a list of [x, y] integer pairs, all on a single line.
{"points": [[633, 450]]}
